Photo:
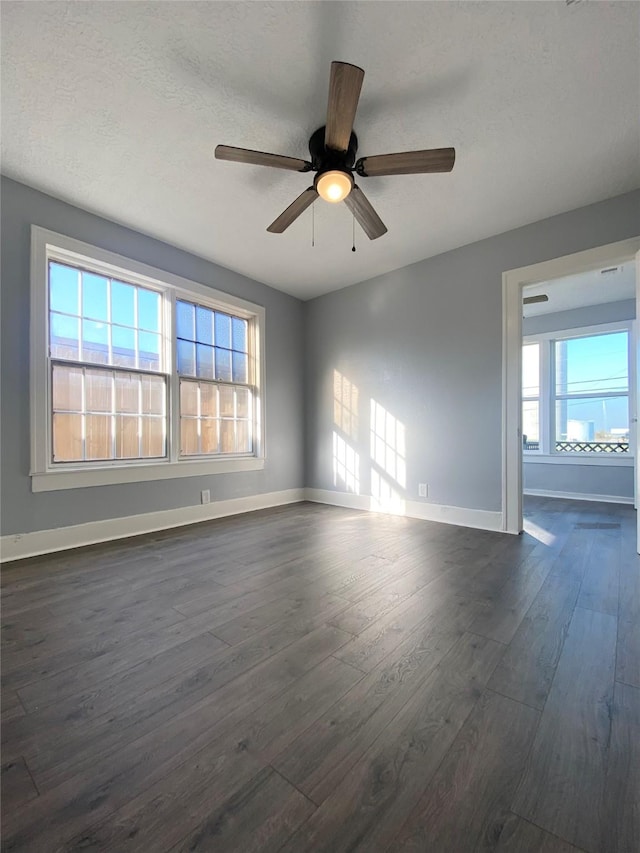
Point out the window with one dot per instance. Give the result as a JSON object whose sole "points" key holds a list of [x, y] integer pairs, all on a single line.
{"points": [[531, 396], [136, 373], [107, 367], [215, 406], [592, 393], [576, 393]]}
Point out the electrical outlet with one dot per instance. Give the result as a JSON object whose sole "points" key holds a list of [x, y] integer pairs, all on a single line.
{"points": [[423, 490], [205, 496]]}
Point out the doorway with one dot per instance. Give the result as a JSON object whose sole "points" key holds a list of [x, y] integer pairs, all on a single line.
{"points": [[514, 282]]}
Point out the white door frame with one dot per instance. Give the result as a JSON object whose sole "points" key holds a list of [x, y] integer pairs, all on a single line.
{"points": [[512, 283]]}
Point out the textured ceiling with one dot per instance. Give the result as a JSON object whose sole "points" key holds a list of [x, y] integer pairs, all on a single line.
{"points": [[117, 107]]}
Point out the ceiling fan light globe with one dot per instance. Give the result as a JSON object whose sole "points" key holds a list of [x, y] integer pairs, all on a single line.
{"points": [[334, 186]]}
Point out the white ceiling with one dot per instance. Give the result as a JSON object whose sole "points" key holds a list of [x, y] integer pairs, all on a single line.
{"points": [[588, 288], [117, 107]]}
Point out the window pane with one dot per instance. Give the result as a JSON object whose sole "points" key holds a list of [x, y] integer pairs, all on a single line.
{"points": [[223, 330], [223, 365], [186, 358], [98, 436], [188, 436], [209, 435], [209, 400], [240, 367], [67, 438], [204, 325], [94, 296], [226, 401], [592, 421], [243, 403], [67, 388], [63, 289], [204, 356], [185, 320], [148, 351], [531, 370], [127, 444], [153, 395], [531, 425], [239, 334], [98, 390], [123, 344], [127, 392], [189, 398], [64, 333], [95, 346], [592, 365], [227, 437], [148, 310], [122, 303], [153, 440], [243, 433]]}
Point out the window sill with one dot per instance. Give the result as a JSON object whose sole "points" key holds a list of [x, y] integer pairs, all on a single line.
{"points": [[52, 481], [610, 459]]}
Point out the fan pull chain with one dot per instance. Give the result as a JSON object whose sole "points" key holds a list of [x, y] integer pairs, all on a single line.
{"points": [[313, 226], [353, 248]]}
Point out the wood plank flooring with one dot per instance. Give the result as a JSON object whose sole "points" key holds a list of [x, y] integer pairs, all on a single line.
{"points": [[309, 679]]}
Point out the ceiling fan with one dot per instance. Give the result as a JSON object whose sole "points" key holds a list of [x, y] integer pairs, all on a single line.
{"points": [[333, 157]]}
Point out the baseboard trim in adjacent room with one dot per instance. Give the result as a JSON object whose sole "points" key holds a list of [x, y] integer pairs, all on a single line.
{"points": [[19, 545], [480, 519], [578, 496]]}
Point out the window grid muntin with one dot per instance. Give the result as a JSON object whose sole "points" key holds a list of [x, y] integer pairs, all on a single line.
{"points": [[219, 418], [81, 318], [197, 345], [112, 413]]}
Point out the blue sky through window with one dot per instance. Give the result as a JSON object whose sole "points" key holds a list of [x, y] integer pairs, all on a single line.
{"points": [[592, 365]]}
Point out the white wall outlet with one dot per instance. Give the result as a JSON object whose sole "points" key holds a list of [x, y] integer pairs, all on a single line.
{"points": [[205, 496], [423, 490]]}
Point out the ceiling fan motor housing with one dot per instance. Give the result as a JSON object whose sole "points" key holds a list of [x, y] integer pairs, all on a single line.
{"points": [[326, 159]]}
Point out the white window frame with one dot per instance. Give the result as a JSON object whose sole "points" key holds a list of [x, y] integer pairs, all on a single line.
{"points": [[547, 453], [48, 476]]}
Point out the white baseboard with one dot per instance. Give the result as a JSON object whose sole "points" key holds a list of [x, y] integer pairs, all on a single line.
{"points": [[579, 496], [19, 545], [478, 518]]}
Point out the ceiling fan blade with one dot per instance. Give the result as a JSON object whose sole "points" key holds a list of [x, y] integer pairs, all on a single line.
{"points": [[261, 158], [360, 206], [407, 162], [293, 211], [344, 92]]}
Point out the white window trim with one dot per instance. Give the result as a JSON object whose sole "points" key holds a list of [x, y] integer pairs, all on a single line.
{"points": [[547, 411], [46, 477]]}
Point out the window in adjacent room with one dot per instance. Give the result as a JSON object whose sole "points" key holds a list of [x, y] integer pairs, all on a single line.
{"points": [[576, 393]]}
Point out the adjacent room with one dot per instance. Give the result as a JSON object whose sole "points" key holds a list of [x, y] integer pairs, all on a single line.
{"points": [[319, 376]]}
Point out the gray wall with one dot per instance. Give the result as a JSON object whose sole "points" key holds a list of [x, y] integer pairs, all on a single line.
{"points": [[426, 342], [21, 510], [590, 315], [613, 480]]}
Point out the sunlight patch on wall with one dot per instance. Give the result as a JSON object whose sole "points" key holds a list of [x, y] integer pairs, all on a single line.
{"points": [[388, 455], [346, 465], [388, 446], [384, 498], [345, 405]]}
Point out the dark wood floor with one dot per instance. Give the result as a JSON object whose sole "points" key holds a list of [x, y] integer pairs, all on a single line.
{"points": [[316, 679]]}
